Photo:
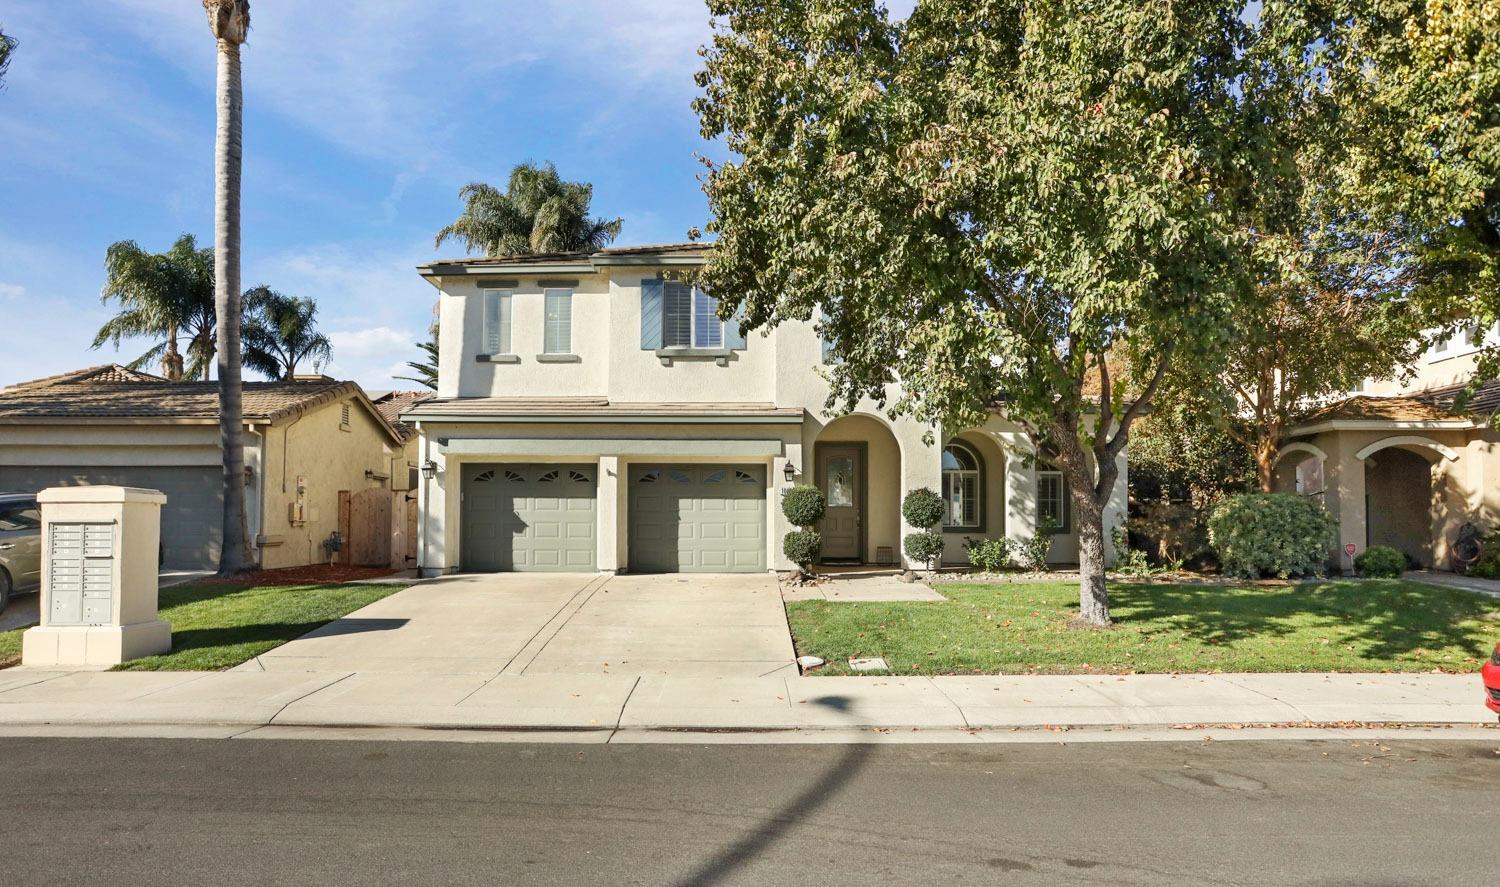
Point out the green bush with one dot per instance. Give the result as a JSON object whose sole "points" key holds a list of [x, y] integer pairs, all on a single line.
{"points": [[925, 548], [989, 555], [1380, 562], [1130, 561], [803, 505], [1488, 565], [802, 547], [922, 508], [1034, 550], [1271, 534]]}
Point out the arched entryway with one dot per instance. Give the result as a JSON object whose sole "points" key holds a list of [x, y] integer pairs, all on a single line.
{"points": [[857, 464], [1398, 501]]}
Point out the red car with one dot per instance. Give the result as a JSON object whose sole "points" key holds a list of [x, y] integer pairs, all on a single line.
{"points": [[1491, 674]]}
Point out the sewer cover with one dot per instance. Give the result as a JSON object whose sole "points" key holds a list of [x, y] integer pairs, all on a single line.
{"points": [[874, 663]]}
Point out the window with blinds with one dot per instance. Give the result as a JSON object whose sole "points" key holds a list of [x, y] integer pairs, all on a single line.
{"points": [[1052, 500], [497, 308], [557, 337]]}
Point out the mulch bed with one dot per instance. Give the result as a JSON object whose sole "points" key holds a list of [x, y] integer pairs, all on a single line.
{"points": [[312, 574]]}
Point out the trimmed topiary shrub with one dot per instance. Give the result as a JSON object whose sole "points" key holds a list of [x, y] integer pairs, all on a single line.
{"points": [[1271, 534], [802, 547], [803, 505], [1380, 562], [989, 555], [922, 508], [924, 548]]}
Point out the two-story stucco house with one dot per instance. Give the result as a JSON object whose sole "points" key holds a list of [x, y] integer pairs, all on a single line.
{"points": [[594, 414]]}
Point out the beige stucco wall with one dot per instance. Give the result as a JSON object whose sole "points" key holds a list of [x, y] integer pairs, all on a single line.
{"points": [[315, 447], [1463, 484], [781, 367]]}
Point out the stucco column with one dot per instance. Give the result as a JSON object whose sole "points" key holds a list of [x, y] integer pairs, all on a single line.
{"points": [[776, 485], [1117, 509], [432, 552], [1345, 497], [1020, 486], [921, 466], [607, 534]]}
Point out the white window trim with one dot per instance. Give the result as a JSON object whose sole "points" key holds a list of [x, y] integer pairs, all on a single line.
{"points": [[1066, 524], [500, 316], [548, 295]]}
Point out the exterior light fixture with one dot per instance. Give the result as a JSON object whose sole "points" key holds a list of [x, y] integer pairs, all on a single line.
{"points": [[429, 469], [790, 471]]}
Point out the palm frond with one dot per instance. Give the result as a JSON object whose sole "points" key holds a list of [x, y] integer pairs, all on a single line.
{"points": [[538, 212]]}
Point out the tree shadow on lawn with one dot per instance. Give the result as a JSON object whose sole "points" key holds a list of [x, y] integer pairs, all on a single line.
{"points": [[1389, 618]]}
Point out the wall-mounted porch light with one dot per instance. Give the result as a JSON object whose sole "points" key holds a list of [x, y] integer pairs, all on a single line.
{"points": [[790, 471], [429, 469]]}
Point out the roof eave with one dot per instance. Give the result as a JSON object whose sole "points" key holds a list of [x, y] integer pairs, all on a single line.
{"points": [[1384, 424]]}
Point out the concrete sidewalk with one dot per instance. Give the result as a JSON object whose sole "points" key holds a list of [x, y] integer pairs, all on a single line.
{"points": [[600, 702]]}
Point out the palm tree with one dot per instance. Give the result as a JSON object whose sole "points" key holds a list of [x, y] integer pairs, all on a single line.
{"points": [[7, 46], [537, 213], [166, 295], [280, 332], [229, 20], [426, 371]]}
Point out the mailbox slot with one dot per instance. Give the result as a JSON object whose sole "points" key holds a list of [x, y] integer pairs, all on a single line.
{"points": [[80, 573]]}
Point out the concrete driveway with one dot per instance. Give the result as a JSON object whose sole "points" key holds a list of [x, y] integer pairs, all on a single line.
{"points": [[563, 624]]}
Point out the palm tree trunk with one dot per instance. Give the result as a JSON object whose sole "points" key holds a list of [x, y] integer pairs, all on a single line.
{"points": [[234, 557], [171, 362]]}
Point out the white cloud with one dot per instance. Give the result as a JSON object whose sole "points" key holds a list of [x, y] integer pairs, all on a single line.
{"points": [[11, 290]]}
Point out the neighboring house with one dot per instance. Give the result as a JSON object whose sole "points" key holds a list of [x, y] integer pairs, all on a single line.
{"points": [[391, 404], [306, 440], [594, 414], [1404, 467]]}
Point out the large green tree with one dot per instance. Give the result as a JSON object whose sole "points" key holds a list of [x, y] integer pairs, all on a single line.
{"points": [[982, 202], [1419, 81], [280, 333], [1330, 305], [229, 21], [166, 297], [537, 212]]}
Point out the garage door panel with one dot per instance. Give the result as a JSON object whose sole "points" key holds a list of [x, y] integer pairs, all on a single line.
{"points": [[191, 519], [697, 518], [528, 517]]}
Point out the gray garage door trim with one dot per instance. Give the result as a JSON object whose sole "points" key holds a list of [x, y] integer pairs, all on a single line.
{"points": [[697, 518], [529, 518], [192, 520]]}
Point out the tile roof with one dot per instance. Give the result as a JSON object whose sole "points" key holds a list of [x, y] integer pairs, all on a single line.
{"points": [[591, 407], [392, 404], [114, 392], [658, 249], [1433, 405]]}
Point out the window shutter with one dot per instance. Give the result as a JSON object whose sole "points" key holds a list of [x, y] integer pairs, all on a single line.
{"points": [[651, 314], [734, 332]]}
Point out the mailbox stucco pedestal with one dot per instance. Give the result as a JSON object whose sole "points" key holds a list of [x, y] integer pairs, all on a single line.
{"points": [[100, 549]]}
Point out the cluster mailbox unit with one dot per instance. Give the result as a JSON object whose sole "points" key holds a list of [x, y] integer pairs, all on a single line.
{"points": [[100, 556]]}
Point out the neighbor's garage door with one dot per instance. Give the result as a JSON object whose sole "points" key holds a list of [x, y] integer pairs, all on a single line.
{"points": [[191, 521], [528, 517], [698, 518]]}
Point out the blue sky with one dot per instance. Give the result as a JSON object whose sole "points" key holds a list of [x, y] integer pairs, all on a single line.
{"points": [[360, 127]]}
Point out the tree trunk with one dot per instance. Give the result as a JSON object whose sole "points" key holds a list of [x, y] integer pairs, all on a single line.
{"points": [[1265, 464], [234, 558], [171, 362], [1093, 596]]}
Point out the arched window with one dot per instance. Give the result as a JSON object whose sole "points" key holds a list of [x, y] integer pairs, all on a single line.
{"points": [[962, 488]]}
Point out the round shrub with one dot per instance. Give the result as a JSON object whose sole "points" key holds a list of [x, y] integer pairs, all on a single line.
{"points": [[1271, 534], [924, 548], [1380, 562], [922, 508], [803, 505], [989, 555], [801, 547]]}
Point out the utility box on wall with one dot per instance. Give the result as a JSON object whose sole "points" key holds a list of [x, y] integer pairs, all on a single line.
{"points": [[99, 565]]}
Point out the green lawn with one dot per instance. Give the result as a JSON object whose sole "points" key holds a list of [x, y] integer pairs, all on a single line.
{"points": [[217, 626], [1021, 628]]}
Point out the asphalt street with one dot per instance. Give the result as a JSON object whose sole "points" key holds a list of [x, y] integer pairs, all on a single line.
{"points": [[128, 811]]}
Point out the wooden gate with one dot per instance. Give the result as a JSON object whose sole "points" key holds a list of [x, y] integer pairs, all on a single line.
{"points": [[369, 540]]}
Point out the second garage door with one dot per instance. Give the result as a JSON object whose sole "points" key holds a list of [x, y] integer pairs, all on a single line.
{"points": [[191, 521], [698, 518], [529, 517]]}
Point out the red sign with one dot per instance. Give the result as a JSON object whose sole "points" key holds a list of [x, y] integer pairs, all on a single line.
{"points": [[1349, 550]]}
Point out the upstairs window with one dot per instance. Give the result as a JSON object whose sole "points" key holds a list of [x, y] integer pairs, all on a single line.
{"points": [[675, 314], [557, 337], [497, 307]]}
